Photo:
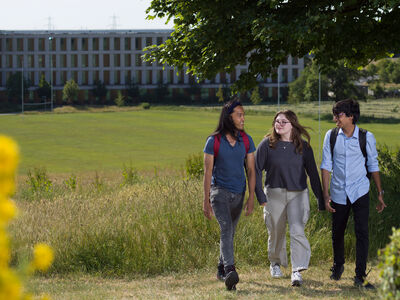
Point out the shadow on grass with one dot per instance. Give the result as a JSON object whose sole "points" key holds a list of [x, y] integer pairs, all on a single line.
{"points": [[365, 119]]}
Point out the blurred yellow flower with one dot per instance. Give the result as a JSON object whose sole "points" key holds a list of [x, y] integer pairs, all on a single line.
{"points": [[42, 257], [7, 185], [7, 210], [9, 156], [10, 285]]}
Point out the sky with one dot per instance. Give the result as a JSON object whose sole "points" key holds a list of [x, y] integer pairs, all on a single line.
{"points": [[77, 14]]}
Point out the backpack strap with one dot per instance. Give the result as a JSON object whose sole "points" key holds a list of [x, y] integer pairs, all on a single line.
{"points": [[246, 141], [332, 140], [362, 138], [217, 143]]}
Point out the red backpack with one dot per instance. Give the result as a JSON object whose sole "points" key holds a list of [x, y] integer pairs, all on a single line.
{"points": [[217, 143]]}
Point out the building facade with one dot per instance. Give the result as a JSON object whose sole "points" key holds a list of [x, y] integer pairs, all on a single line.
{"points": [[111, 56]]}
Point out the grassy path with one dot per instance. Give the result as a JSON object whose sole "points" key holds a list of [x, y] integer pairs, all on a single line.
{"points": [[255, 283]]}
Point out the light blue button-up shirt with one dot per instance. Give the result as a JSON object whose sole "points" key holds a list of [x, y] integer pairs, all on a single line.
{"points": [[348, 165]]}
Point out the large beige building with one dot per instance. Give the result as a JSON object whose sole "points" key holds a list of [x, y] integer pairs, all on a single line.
{"points": [[110, 56]]}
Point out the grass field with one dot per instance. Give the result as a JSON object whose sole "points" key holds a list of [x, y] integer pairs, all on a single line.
{"points": [[255, 283], [156, 138]]}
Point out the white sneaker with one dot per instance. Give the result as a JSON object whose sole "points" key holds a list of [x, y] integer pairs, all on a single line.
{"points": [[297, 280], [275, 271]]}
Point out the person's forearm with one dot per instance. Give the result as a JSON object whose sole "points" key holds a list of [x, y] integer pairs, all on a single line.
{"points": [[377, 179], [325, 182]]}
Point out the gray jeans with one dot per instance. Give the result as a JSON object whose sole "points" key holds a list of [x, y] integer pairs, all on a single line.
{"points": [[227, 207]]}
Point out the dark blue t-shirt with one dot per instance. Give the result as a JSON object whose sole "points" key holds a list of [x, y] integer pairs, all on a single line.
{"points": [[228, 169]]}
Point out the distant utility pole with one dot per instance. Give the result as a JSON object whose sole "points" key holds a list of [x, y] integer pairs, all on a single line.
{"points": [[49, 24], [114, 22]]}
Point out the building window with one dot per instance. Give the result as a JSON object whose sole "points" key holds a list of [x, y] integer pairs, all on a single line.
{"points": [[149, 41], [31, 61], [127, 60], [127, 43], [138, 61], [9, 63], [159, 40], [9, 46], [41, 60], [84, 60], [53, 61], [170, 76], [106, 60], [63, 60], [20, 44], [117, 44], [84, 44], [106, 44], [31, 45], [295, 61], [117, 77], [149, 77], [160, 76], [95, 44], [95, 61], [20, 61], [181, 77], [295, 74], [96, 76], [106, 75], [138, 43], [52, 44], [74, 44], [63, 77], [74, 61], [74, 75], [222, 77], [31, 76], [284, 75], [139, 77], [117, 60], [41, 44], [63, 44]]}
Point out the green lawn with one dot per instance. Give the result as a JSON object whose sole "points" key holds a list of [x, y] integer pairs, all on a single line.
{"points": [[83, 142]]}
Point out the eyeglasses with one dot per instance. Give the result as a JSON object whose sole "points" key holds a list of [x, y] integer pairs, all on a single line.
{"points": [[283, 123], [339, 115]]}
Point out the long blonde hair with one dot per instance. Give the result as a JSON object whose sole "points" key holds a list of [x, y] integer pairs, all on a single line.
{"points": [[297, 131]]}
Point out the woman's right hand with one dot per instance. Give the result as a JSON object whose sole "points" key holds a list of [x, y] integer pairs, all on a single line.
{"points": [[207, 209]]}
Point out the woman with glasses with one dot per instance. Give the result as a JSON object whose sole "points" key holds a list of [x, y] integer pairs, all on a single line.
{"points": [[286, 159]]}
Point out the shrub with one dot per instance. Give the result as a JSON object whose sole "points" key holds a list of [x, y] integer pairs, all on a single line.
{"points": [[194, 165], [131, 175], [390, 268], [120, 100], [71, 182], [39, 181], [145, 105]]}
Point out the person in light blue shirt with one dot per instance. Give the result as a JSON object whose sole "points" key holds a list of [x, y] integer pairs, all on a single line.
{"points": [[349, 186]]}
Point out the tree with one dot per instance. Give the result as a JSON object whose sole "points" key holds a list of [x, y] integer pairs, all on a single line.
{"points": [[99, 90], [214, 36], [132, 90], [70, 91], [14, 85], [255, 96], [44, 89]]}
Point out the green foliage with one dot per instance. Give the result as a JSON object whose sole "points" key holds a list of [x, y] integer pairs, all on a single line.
{"points": [[390, 268], [39, 182], [255, 97], [131, 175], [71, 183], [145, 105], [263, 33], [194, 165], [14, 85], [44, 89], [120, 100], [70, 91], [99, 90], [220, 94]]}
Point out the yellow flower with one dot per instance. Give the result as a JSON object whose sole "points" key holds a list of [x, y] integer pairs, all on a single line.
{"points": [[10, 285], [7, 210], [9, 156], [7, 185], [4, 249], [42, 257]]}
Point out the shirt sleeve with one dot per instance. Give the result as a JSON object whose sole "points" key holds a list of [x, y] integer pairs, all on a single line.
{"points": [[312, 172], [326, 163], [261, 158], [209, 147], [372, 154], [252, 146]]}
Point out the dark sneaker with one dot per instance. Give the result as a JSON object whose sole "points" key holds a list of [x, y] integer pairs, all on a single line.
{"points": [[362, 283], [221, 273], [231, 278], [337, 272]]}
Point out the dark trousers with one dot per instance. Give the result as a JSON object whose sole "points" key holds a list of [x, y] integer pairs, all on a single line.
{"points": [[339, 221]]}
